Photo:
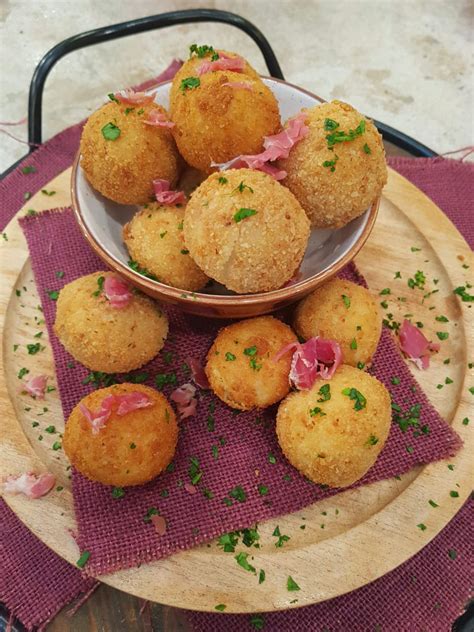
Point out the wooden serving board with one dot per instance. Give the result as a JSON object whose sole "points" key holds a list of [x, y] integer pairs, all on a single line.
{"points": [[335, 553]]}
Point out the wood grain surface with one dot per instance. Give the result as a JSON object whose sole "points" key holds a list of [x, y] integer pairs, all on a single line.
{"points": [[381, 512]]}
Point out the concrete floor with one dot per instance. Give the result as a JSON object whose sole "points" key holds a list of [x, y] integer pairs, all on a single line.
{"points": [[407, 63]]}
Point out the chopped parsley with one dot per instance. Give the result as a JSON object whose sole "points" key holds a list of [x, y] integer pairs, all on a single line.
{"points": [[222, 180], [281, 538], [56, 446], [242, 561], [220, 607], [359, 400], [454, 494], [31, 212], [53, 294], [442, 335], [330, 125], [465, 421], [395, 380], [49, 193], [367, 149], [164, 379], [325, 392], [291, 585], [385, 291], [33, 348], [100, 283], [261, 578], [421, 526], [82, 561], [452, 554], [203, 51], [194, 471], [152, 511], [432, 503], [418, 280], [238, 493], [372, 440], [415, 249], [250, 351], [110, 131], [243, 213], [143, 271], [331, 164], [184, 251], [50, 430], [353, 344], [28, 169], [442, 319], [230, 357], [100, 379], [118, 492], [262, 490], [189, 83], [271, 458], [339, 136], [316, 411], [241, 188], [463, 294], [346, 300], [22, 372], [112, 97]]}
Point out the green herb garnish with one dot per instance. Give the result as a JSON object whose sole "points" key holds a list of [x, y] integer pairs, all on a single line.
{"points": [[243, 213], [110, 131], [325, 392], [354, 394], [346, 300], [189, 83], [118, 492], [316, 411], [230, 357], [82, 561], [100, 283], [291, 585]]}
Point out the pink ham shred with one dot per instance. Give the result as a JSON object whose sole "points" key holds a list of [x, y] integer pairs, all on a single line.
{"points": [[116, 292], [159, 523], [158, 119], [36, 386], [316, 358], [415, 346], [225, 62], [130, 97], [198, 374], [129, 402], [276, 147], [125, 403], [169, 72], [30, 484], [191, 489], [164, 195], [244, 85], [185, 400]]}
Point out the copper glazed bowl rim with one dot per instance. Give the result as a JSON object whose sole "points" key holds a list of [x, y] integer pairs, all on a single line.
{"points": [[288, 294]]}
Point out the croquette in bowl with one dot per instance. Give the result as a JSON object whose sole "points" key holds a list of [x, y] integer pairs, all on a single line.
{"points": [[245, 230]]}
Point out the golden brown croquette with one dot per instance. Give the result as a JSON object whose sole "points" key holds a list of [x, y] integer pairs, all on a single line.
{"points": [[240, 365], [105, 338], [221, 115], [121, 155], [346, 312], [154, 239], [336, 182], [130, 449], [245, 230], [334, 432]]}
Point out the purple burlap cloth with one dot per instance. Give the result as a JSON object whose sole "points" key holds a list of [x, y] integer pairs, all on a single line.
{"points": [[122, 541]]}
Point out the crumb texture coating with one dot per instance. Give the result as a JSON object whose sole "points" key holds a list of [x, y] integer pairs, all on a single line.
{"points": [[343, 311], [240, 366], [334, 195], [102, 337], [215, 122], [129, 450], [263, 250], [331, 442], [154, 239], [123, 169]]}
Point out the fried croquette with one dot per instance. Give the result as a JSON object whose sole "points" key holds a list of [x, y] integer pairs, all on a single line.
{"points": [[334, 432], [221, 114], [121, 155], [240, 365], [129, 448], [345, 312], [103, 337], [154, 239], [245, 230], [339, 169]]}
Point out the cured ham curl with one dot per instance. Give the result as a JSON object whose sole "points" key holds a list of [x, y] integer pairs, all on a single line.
{"points": [[30, 484], [185, 400], [164, 195], [276, 147], [124, 404], [36, 386], [233, 64], [116, 292], [130, 97], [316, 358], [156, 118], [415, 346]]}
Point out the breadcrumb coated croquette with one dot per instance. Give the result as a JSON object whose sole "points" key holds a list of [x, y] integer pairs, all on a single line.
{"points": [[336, 186], [334, 432], [245, 230], [215, 122], [343, 311], [240, 366], [128, 450], [123, 168], [154, 239], [102, 337]]}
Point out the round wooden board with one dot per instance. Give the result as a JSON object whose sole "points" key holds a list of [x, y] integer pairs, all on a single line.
{"points": [[367, 532]]}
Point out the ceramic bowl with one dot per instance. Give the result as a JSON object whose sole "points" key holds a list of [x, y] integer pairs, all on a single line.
{"points": [[329, 250]]}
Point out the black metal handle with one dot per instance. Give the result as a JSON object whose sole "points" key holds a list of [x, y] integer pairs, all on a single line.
{"points": [[140, 25]]}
